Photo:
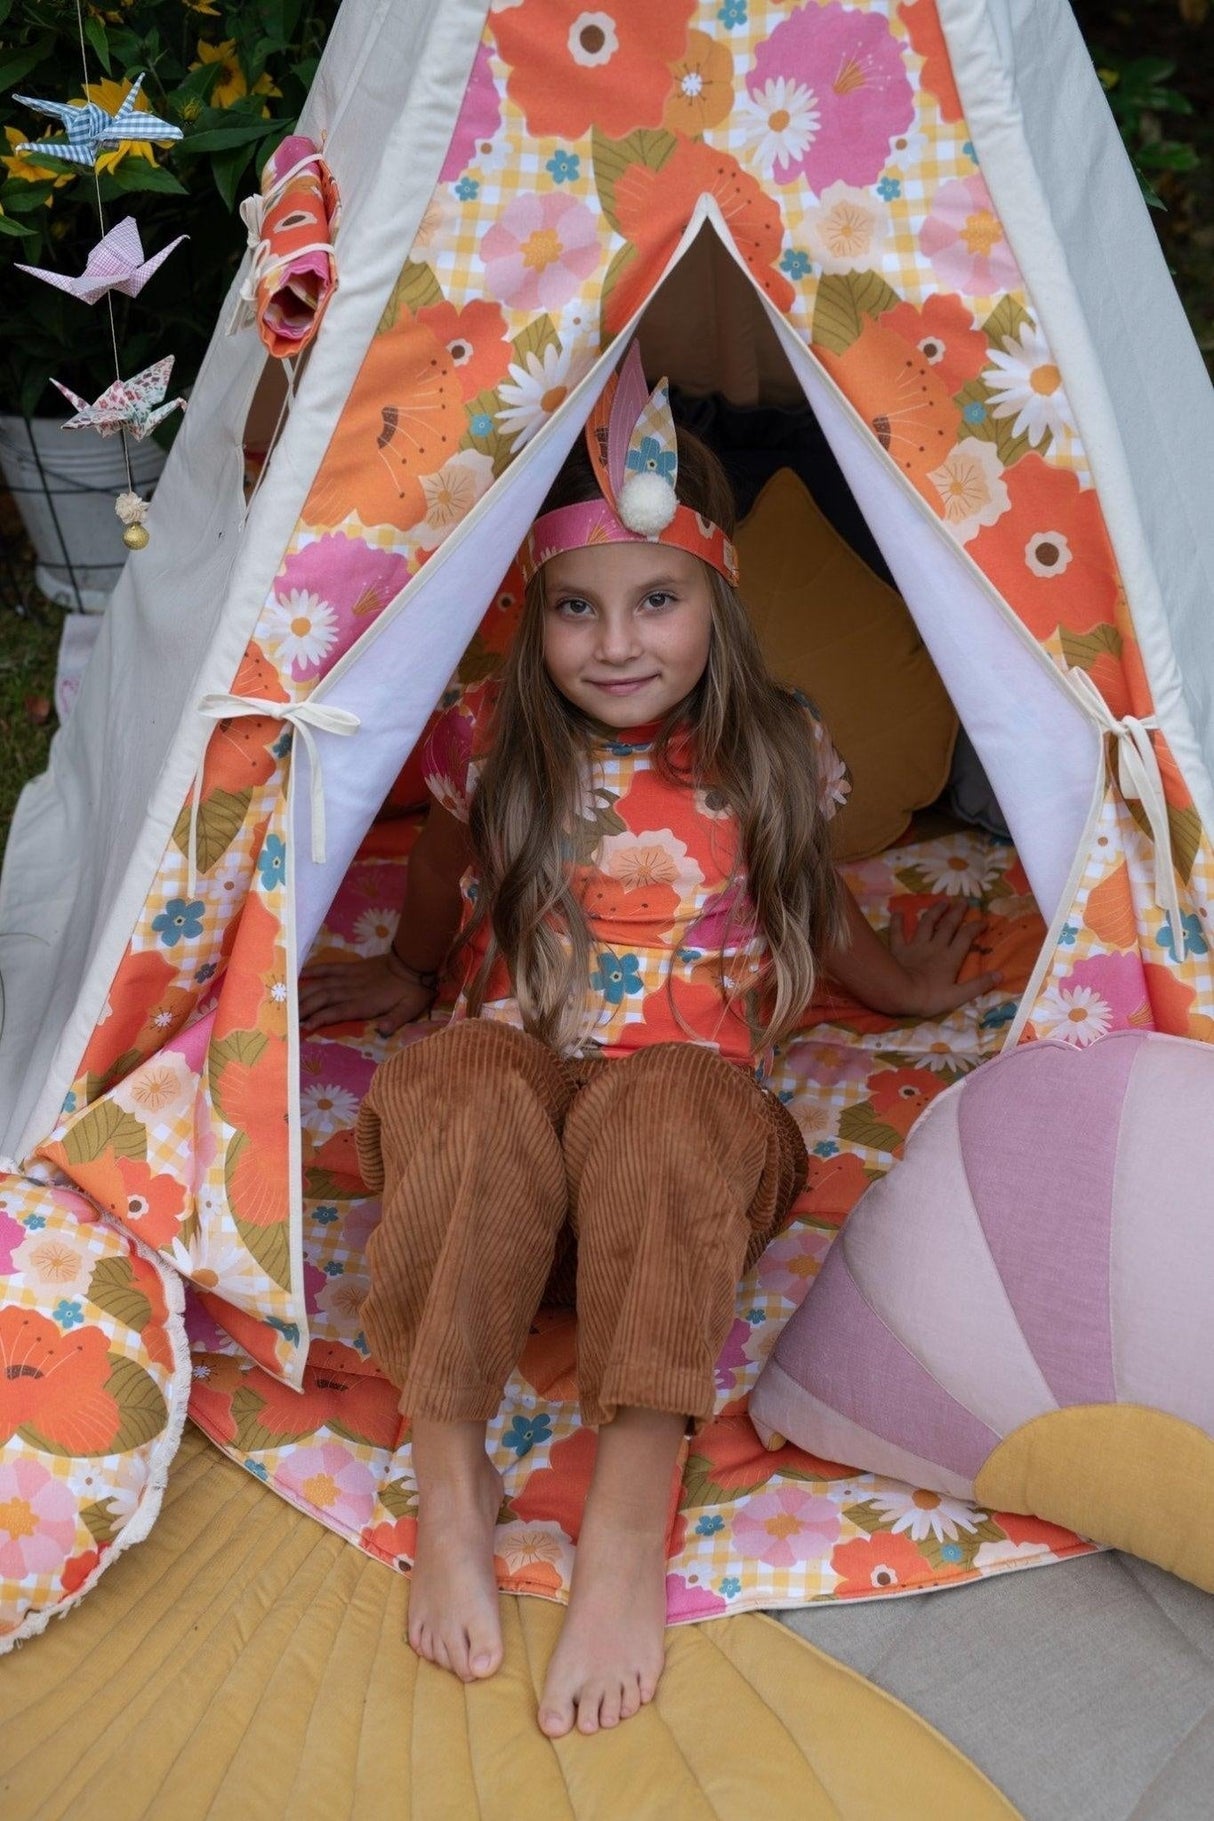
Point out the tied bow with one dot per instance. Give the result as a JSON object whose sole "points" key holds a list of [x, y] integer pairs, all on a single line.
{"points": [[1139, 779], [307, 719]]}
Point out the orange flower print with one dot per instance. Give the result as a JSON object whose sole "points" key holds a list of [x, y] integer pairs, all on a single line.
{"points": [[54, 1383], [154, 1204], [251, 1094], [654, 207], [1049, 555], [833, 1187], [927, 41], [142, 990], [942, 329], [900, 1095], [573, 66], [404, 417], [896, 391], [703, 86], [475, 340], [876, 1564]]}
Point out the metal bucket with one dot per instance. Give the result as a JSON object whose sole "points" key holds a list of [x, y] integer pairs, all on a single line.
{"points": [[64, 483]]}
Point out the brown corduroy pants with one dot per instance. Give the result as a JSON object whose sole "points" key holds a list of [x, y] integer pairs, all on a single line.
{"points": [[652, 1182]]}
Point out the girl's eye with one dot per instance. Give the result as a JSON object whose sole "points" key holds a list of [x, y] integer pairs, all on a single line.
{"points": [[659, 598], [575, 609]]}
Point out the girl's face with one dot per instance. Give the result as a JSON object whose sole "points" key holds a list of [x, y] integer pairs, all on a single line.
{"points": [[626, 629]]}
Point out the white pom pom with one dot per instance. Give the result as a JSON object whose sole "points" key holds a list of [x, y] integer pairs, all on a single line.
{"points": [[647, 504]]}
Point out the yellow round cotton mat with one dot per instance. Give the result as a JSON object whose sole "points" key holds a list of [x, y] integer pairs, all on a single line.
{"points": [[244, 1662]]}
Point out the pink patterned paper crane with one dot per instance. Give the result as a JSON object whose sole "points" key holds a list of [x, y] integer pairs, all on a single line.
{"points": [[129, 404]]}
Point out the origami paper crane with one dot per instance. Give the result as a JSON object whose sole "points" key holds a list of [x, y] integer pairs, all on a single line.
{"points": [[116, 263], [129, 404], [91, 129]]}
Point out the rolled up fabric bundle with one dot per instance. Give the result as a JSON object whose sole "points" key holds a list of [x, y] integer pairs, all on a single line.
{"points": [[291, 226]]}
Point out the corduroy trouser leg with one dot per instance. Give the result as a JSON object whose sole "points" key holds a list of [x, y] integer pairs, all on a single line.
{"points": [[672, 1168]]}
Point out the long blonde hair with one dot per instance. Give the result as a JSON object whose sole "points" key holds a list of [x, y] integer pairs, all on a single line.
{"points": [[750, 743]]}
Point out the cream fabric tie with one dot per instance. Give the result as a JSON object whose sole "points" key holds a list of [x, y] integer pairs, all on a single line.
{"points": [[253, 211], [306, 719], [1138, 777]]}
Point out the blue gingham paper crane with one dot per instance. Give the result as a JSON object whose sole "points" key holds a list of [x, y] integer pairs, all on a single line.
{"points": [[90, 129], [129, 404], [116, 263]]}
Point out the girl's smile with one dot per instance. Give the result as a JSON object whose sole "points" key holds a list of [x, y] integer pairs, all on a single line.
{"points": [[627, 629]]}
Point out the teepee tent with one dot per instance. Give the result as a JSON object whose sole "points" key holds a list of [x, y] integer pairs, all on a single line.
{"points": [[920, 216]]}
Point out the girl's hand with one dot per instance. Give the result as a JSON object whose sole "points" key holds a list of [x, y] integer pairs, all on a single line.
{"points": [[931, 960], [352, 991]]}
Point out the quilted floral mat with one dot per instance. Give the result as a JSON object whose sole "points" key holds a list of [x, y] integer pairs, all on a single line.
{"points": [[752, 1528]]}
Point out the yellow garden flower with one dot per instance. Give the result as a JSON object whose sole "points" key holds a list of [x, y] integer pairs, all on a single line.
{"points": [[110, 95], [201, 6], [22, 165], [232, 85]]}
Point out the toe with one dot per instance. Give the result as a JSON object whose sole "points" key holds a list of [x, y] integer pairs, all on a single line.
{"points": [[630, 1700], [457, 1653], [588, 1711], [610, 1706]]}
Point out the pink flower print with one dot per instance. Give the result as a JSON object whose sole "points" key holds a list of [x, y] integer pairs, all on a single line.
{"points": [[964, 239], [348, 579], [479, 117], [37, 1520], [687, 1601], [786, 1526], [331, 1482], [732, 1357], [827, 93], [446, 763], [314, 1281], [791, 1262], [11, 1235], [1121, 984], [727, 916], [539, 250]]}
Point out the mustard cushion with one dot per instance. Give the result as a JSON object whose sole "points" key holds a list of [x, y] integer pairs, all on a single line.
{"points": [[830, 626]]}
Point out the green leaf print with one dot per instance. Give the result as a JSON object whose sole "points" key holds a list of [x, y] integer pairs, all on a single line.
{"points": [[416, 289], [612, 157], [843, 301], [112, 1287], [860, 1125], [105, 1127]]}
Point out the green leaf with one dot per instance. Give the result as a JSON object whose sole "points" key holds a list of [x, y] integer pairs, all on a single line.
{"points": [[105, 1127], [270, 1246], [843, 301], [1005, 322], [399, 1498], [416, 289], [220, 819], [700, 1488], [113, 1288], [22, 63], [238, 1046], [136, 174], [912, 879], [539, 334], [612, 157], [866, 1517], [251, 1433], [101, 1523], [1184, 826], [860, 1125], [20, 198], [95, 33], [144, 1411], [494, 443], [223, 138], [323, 1185], [227, 169], [1083, 649], [13, 228]]}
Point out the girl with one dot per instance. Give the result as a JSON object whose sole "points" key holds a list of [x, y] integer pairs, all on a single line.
{"points": [[639, 817]]}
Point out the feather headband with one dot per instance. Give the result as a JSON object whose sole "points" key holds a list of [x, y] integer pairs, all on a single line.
{"points": [[634, 450]]}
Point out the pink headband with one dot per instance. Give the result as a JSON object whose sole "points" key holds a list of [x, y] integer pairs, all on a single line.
{"points": [[631, 438]]}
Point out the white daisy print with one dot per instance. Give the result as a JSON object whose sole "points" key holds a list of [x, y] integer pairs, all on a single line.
{"points": [[780, 122], [960, 874], [374, 930], [302, 629], [848, 230], [918, 1513], [1026, 385], [452, 492], [970, 483], [1074, 1014], [214, 1260], [536, 389], [326, 1109]]}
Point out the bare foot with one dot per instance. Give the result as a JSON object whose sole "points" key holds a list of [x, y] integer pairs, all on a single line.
{"points": [[453, 1599], [611, 1650]]}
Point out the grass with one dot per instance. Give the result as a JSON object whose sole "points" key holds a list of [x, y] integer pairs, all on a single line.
{"points": [[29, 640]]}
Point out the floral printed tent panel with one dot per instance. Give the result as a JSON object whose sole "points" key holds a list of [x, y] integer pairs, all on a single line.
{"points": [[573, 153]]}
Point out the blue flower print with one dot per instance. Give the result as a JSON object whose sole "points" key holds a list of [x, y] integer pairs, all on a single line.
{"points": [[480, 423], [951, 1552], [651, 458], [1193, 936], [271, 861], [967, 151], [795, 263], [335, 1268], [34, 1223], [282, 744], [1068, 935], [69, 1315], [70, 1102], [205, 973], [888, 188], [708, 1526], [998, 1015], [826, 1148], [324, 1216], [525, 1431], [688, 955], [616, 975], [564, 167], [732, 14], [288, 1329], [258, 1469], [730, 1587], [179, 919], [467, 189], [974, 412], [756, 1317]]}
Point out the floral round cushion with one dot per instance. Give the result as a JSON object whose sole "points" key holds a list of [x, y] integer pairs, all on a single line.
{"points": [[1019, 1313]]}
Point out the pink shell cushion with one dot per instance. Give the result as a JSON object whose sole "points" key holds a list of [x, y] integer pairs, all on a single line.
{"points": [[94, 1375], [1046, 1246]]}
